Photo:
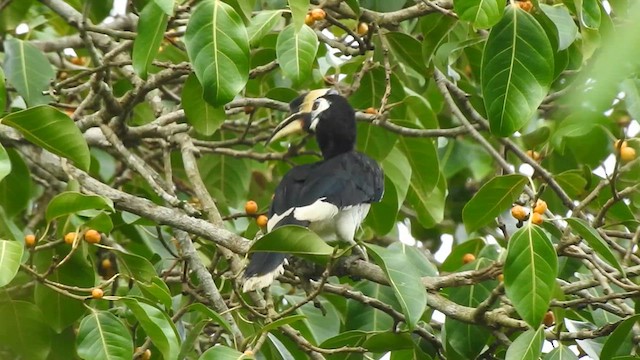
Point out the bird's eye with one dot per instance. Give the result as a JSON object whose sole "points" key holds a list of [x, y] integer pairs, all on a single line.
{"points": [[315, 106]]}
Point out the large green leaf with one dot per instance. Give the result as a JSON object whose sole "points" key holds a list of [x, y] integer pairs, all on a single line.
{"points": [[28, 70], [102, 336], [527, 346], [562, 352], [5, 162], [423, 158], [221, 352], [481, 13], [53, 130], [364, 317], [530, 273], [434, 29], [404, 280], [165, 5], [151, 27], [296, 52], [468, 340], [158, 327], [407, 50], [218, 47], [262, 24], [205, 118], [317, 325], [492, 199], [10, 257], [567, 29], [226, 178], [135, 266], [429, 208], [375, 141], [295, 240], [589, 11], [72, 202], [517, 70], [23, 330], [597, 243]]}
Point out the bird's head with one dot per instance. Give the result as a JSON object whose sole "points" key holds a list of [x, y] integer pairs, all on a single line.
{"points": [[325, 114]]}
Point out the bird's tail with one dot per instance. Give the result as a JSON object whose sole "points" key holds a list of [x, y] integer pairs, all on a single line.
{"points": [[263, 268]]}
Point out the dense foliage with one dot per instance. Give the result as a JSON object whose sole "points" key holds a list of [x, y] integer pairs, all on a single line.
{"points": [[130, 144]]}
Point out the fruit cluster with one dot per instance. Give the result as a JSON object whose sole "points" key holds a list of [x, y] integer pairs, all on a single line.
{"points": [[251, 208], [522, 214], [626, 152]]}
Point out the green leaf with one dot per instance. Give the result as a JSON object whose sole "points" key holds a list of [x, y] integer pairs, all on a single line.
{"points": [[621, 339], [435, 28], [589, 13], [364, 317], [493, 198], [562, 352], [61, 310], [156, 291], [375, 141], [210, 315], [407, 50], [423, 158], [561, 18], [597, 243], [10, 257], [388, 341], [530, 273], [53, 130], [527, 346], [221, 352], [102, 336], [296, 52], [151, 27], [453, 262], [165, 5], [5, 162], [429, 207], [295, 240], [3, 91], [299, 9], [517, 70], [262, 24], [404, 280], [468, 340], [280, 322], [481, 13], [189, 342], [28, 70], [135, 267], [71, 202], [226, 178], [218, 47], [23, 330], [205, 118], [158, 327], [316, 325]]}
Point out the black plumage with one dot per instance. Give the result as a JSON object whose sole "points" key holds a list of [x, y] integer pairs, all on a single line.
{"points": [[331, 196]]}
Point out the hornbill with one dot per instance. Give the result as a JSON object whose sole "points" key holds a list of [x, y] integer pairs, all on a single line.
{"points": [[332, 196]]}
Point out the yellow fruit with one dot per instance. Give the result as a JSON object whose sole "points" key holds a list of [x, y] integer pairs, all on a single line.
{"points": [[308, 20], [362, 29], [146, 355], [534, 155], [541, 207], [69, 237], [467, 258], [536, 218], [617, 146], [519, 212], [92, 236], [251, 207], [318, 14], [97, 293], [262, 220], [525, 5], [501, 278], [30, 240], [372, 111], [549, 318], [106, 264], [78, 61], [627, 154]]}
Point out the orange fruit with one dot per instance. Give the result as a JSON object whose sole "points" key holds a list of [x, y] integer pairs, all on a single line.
{"points": [[318, 14], [501, 277], [308, 19], [525, 5], [262, 220], [97, 293], [534, 155], [372, 111], [541, 207], [146, 355], [251, 207], [106, 264], [536, 218], [627, 154], [30, 240], [617, 146], [92, 236], [70, 237], [549, 318], [467, 258], [78, 60], [519, 212], [362, 29]]}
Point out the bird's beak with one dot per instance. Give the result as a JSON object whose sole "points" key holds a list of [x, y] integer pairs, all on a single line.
{"points": [[291, 125]]}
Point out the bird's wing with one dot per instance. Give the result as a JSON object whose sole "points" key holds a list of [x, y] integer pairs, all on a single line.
{"points": [[318, 191]]}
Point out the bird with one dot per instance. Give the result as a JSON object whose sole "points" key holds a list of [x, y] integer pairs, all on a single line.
{"points": [[330, 197]]}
